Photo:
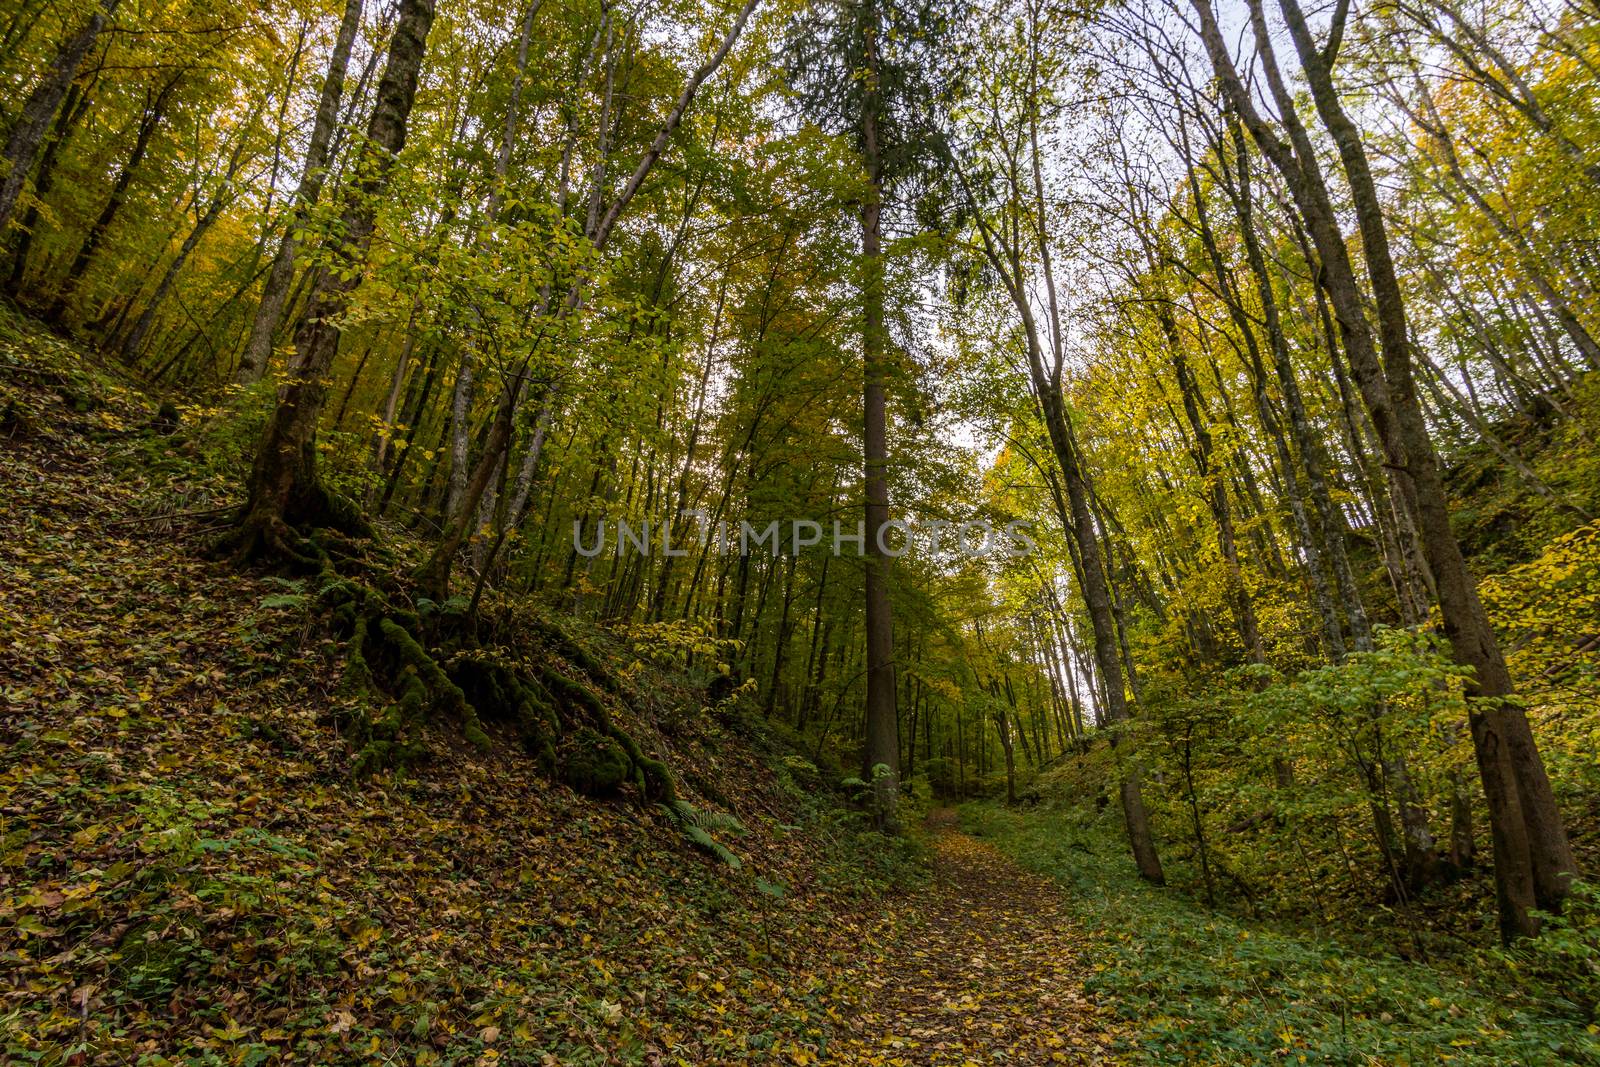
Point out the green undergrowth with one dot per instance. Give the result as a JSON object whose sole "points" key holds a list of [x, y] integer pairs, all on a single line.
{"points": [[1204, 987], [1501, 521]]}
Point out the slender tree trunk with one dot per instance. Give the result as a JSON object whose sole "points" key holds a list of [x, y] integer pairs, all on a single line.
{"points": [[460, 430], [1321, 528], [154, 111], [39, 110], [413, 413], [1216, 490], [782, 642], [1533, 862], [434, 574], [1007, 746], [1466, 625], [219, 200], [76, 106], [274, 295], [681, 495], [883, 736], [1079, 518]]}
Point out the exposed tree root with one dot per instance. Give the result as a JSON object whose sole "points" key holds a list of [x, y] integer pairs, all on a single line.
{"points": [[651, 775], [415, 663], [266, 534], [266, 538]]}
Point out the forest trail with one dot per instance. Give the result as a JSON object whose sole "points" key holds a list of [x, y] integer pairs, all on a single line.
{"points": [[189, 724], [991, 972]]}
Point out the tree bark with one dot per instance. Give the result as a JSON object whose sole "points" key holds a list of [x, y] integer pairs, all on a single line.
{"points": [[1533, 862], [883, 735], [1466, 625], [22, 146], [76, 106], [220, 199], [434, 574], [274, 295], [284, 489], [151, 118]]}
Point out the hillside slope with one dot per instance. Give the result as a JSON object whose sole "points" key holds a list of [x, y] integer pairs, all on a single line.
{"points": [[191, 872]]}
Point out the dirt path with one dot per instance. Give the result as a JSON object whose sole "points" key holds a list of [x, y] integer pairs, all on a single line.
{"points": [[992, 973]]}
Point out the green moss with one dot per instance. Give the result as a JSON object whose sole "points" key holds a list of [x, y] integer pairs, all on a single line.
{"points": [[651, 775], [594, 763], [429, 680], [357, 680]]}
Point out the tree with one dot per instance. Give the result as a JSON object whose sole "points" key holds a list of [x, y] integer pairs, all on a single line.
{"points": [[284, 488], [434, 575], [39, 110], [865, 70], [1006, 196], [313, 173], [1533, 863]]}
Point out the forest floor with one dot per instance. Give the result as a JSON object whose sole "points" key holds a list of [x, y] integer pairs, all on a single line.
{"points": [[190, 874], [991, 969], [1199, 985]]}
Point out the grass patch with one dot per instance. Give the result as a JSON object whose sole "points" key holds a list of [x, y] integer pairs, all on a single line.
{"points": [[1201, 987]]}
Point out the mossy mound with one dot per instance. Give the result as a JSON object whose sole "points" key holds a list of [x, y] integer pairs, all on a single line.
{"points": [[593, 763]]}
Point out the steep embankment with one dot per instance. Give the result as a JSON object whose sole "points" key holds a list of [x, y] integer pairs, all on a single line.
{"points": [[190, 871]]}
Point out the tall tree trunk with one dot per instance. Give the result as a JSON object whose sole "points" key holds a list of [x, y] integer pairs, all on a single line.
{"points": [[1500, 720], [149, 120], [1320, 529], [883, 732], [434, 574], [220, 199], [284, 489], [274, 295], [22, 145], [76, 106], [1391, 401], [1007, 259]]}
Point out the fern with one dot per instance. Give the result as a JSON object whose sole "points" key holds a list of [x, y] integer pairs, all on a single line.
{"points": [[711, 821], [697, 826]]}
